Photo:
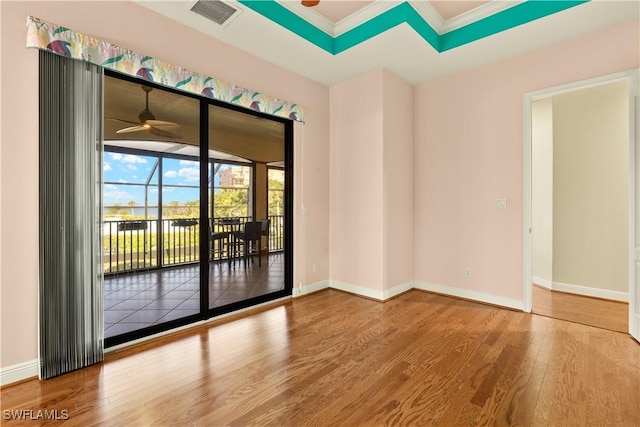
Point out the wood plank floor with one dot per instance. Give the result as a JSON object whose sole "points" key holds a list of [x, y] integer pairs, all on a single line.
{"points": [[334, 359], [612, 315]]}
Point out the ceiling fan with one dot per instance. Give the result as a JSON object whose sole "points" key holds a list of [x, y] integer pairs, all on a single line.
{"points": [[149, 123]]}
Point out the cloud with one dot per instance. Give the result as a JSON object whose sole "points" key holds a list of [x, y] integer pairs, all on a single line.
{"points": [[127, 158], [106, 167], [131, 167], [188, 163], [122, 181], [167, 189], [171, 174], [110, 187], [190, 174]]}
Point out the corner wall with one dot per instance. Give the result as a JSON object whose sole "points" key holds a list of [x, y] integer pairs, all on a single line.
{"points": [[397, 191], [356, 156], [372, 185]]}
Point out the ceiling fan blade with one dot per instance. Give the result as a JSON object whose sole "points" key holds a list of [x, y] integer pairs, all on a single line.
{"points": [[162, 124], [132, 129], [149, 122], [121, 120]]}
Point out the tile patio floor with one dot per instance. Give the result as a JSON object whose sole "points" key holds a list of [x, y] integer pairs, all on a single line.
{"points": [[137, 300]]}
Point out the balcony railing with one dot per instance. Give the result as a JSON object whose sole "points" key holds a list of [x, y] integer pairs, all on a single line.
{"points": [[130, 245]]}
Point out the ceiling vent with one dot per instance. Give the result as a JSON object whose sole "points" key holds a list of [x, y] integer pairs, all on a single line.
{"points": [[215, 10]]}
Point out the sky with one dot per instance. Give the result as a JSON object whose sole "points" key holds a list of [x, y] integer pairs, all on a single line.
{"points": [[180, 179]]}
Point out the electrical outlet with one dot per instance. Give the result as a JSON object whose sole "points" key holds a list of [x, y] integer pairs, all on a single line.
{"points": [[315, 267], [501, 203], [467, 272]]}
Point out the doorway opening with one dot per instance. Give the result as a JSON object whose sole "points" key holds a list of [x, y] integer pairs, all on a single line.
{"points": [[579, 200]]}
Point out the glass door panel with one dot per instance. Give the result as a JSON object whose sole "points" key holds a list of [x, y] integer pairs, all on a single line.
{"points": [[244, 267], [151, 200]]}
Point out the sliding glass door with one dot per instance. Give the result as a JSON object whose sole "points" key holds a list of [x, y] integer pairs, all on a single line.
{"points": [[197, 208]]}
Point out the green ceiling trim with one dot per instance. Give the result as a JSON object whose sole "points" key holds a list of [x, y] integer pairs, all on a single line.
{"points": [[519, 14], [422, 27], [371, 28], [522, 13]]}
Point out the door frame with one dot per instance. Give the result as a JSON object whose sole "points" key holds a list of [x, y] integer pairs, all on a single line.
{"points": [[205, 313], [528, 99]]}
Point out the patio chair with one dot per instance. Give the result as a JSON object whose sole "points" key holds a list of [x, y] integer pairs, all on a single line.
{"points": [[216, 243], [264, 231], [249, 240]]}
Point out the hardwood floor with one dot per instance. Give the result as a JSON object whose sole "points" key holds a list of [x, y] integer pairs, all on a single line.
{"points": [[612, 315], [333, 359]]}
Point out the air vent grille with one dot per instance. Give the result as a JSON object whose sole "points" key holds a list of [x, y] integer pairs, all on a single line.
{"points": [[215, 10]]}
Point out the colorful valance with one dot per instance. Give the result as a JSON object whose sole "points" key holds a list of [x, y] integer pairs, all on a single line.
{"points": [[63, 41]]}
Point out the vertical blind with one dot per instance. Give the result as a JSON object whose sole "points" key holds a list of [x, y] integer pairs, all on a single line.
{"points": [[71, 332]]}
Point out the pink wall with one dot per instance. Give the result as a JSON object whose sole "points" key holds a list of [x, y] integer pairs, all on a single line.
{"points": [[468, 152], [137, 28], [356, 115], [397, 181], [372, 183]]}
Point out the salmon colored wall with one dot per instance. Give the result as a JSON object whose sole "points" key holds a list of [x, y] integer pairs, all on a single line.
{"points": [[468, 152], [398, 181], [134, 27], [356, 115], [371, 184]]}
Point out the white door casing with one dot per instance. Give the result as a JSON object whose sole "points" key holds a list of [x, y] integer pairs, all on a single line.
{"points": [[634, 205], [633, 77]]}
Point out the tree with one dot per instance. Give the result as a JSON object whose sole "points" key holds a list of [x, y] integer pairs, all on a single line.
{"points": [[175, 209], [276, 197], [231, 202]]}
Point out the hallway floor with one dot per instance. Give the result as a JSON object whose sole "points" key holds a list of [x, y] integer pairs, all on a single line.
{"points": [[605, 314]]}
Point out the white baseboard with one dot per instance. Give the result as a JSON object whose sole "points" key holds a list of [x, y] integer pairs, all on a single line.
{"points": [[310, 288], [358, 290], [372, 293], [397, 290], [19, 372], [471, 295], [590, 292], [545, 283], [441, 289]]}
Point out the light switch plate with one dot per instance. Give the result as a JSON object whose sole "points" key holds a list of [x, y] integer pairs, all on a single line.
{"points": [[501, 203]]}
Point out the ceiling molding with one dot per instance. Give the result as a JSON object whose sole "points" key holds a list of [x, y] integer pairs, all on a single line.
{"points": [[368, 12], [407, 48], [469, 27], [429, 14], [476, 14]]}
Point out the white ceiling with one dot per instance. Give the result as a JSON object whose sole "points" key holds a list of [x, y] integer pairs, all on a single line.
{"points": [[400, 49]]}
